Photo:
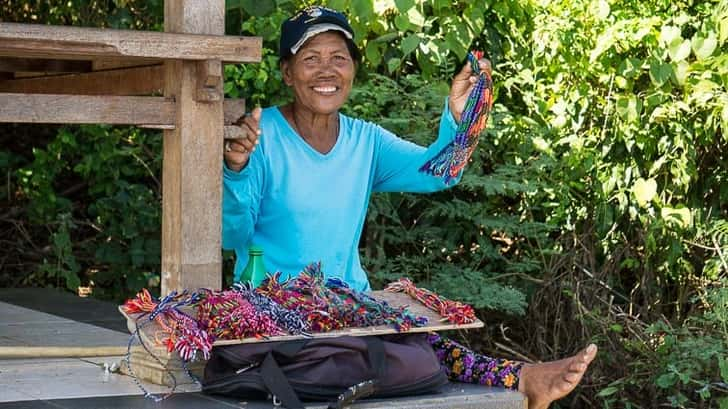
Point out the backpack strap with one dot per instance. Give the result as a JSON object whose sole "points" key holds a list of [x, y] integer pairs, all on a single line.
{"points": [[274, 378], [378, 363]]}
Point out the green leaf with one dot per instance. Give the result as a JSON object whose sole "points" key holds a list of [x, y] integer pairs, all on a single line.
{"points": [[679, 49], [258, 8], [72, 281], [723, 364], [232, 4], [608, 391], [644, 190], [401, 22], [442, 4], [410, 43], [385, 38], [629, 108], [723, 31], [704, 47], [724, 119], [681, 216], [393, 64], [600, 9], [670, 34], [416, 18], [666, 381], [404, 5], [362, 9], [660, 73], [704, 92], [372, 53], [682, 69]]}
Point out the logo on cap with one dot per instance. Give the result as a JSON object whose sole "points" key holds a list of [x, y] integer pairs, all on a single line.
{"points": [[314, 12]]}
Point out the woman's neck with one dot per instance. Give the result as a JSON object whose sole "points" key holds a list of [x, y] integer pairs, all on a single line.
{"points": [[318, 130]]}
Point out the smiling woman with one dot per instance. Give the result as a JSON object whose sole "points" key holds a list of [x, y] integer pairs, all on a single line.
{"points": [[321, 75], [298, 185]]}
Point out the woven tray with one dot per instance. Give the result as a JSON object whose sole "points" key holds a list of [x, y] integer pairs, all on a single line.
{"points": [[394, 299]]}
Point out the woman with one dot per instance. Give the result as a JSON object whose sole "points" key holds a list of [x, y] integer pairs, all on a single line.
{"points": [[298, 184]]}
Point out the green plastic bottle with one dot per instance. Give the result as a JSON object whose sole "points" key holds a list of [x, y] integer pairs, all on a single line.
{"points": [[255, 271]]}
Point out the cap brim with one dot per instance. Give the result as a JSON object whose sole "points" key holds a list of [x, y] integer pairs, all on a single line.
{"points": [[318, 29]]}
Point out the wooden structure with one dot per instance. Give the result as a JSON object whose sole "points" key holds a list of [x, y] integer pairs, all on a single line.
{"points": [[169, 80]]}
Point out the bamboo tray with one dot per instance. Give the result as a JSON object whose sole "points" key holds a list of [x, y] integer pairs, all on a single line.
{"points": [[435, 323]]}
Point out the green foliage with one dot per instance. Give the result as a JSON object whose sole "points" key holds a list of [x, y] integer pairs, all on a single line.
{"points": [[134, 14], [99, 183], [687, 364]]}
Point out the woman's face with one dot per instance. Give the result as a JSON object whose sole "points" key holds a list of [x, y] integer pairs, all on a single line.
{"points": [[321, 73]]}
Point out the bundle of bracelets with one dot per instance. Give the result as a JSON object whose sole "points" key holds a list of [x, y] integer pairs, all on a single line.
{"points": [[297, 306], [180, 332], [382, 312], [289, 320], [229, 315], [332, 305], [290, 295], [452, 311], [448, 163]]}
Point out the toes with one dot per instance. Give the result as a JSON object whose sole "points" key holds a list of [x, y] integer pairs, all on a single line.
{"points": [[590, 352], [572, 377]]}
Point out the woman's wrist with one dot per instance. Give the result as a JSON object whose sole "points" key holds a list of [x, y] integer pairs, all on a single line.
{"points": [[236, 167]]}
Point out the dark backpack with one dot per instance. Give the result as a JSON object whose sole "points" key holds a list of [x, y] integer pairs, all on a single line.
{"points": [[339, 369]]}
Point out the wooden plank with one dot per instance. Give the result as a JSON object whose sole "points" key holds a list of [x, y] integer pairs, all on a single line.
{"points": [[11, 64], [126, 81], [435, 323], [35, 40], [191, 172], [146, 112], [209, 81], [86, 109], [36, 352], [100, 64]]}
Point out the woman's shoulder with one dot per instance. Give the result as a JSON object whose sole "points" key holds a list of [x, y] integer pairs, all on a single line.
{"points": [[271, 116], [361, 126]]}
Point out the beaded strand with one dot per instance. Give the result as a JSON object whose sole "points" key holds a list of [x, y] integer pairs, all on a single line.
{"points": [[448, 163], [452, 311]]}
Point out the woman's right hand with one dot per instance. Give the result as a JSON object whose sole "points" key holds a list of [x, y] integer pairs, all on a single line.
{"points": [[237, 151]]}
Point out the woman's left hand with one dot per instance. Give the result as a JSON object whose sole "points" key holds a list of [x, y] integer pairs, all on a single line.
{"points": [[462, 84]]}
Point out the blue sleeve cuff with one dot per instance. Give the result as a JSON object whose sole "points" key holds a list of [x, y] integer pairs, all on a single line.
{"points": [[447, 117], [228, 173]]}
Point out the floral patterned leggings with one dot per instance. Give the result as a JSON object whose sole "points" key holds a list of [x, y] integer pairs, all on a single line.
{"points": [[464, 365]]}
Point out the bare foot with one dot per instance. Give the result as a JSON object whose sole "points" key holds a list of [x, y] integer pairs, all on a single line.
{"points": [[546, 382]]}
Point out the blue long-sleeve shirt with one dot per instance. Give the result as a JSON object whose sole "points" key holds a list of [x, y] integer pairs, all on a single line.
{"points": [[302, 206]]}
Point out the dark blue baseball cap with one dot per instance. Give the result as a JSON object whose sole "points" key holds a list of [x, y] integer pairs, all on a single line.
{"points": [[311, 21]]}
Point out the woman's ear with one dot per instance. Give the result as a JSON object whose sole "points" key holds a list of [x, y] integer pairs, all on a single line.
{"points": [[286, 71]]}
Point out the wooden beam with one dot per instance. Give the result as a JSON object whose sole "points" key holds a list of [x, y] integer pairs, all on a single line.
{"points": [[209, 81], [126, 81], [233, 109], [191, 171], [100, 64], [84, 109], [11, 64], [146, 112], [35, 40], [233, 132]]}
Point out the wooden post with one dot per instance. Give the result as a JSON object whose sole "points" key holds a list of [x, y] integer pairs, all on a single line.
{"points": [[192, 162]]}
